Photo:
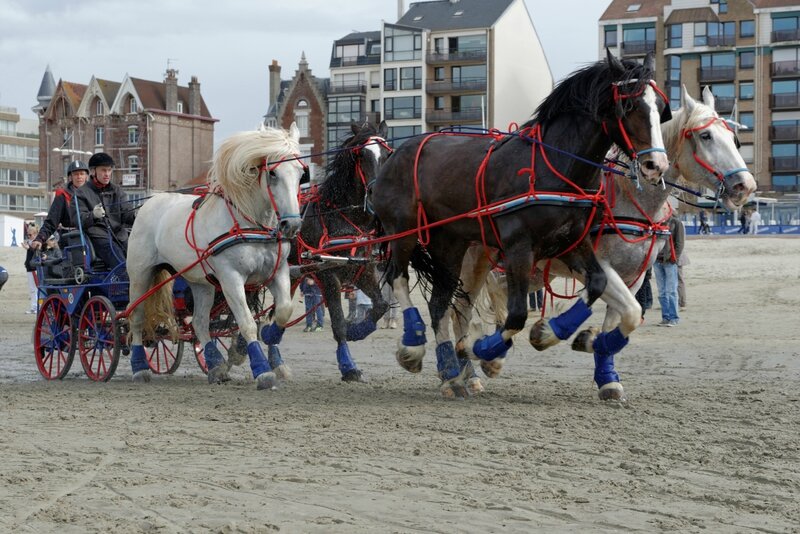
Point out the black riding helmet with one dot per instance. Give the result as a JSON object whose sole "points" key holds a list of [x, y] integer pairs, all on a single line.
{"points": [[77, 165], [101, 159]]}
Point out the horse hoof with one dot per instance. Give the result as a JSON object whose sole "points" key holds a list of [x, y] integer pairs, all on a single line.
{"points": [[475, 386], [585, 339], [218, 374], [235, 357], [453, 390], [283, 373], [612, 392], [267, 381], [354, 376], [410, 358], [492, 369], [542, 336], [142, 377]]}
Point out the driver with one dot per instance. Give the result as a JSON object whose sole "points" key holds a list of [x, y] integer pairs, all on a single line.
{"points": [[61, 213], [104, 211]]}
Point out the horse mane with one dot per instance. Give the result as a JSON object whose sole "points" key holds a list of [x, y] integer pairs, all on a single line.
{"points": [[587, 92], [235, 167], [341, 169], [682, 120]]}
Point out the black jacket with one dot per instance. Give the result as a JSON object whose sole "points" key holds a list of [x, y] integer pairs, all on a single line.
{"points": [[674, 248], [61, 213], [118, 210]]}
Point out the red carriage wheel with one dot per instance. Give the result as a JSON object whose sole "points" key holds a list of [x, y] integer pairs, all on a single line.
{"points": [[98, 339], [163, 355], [198, 351], [54, 339]]}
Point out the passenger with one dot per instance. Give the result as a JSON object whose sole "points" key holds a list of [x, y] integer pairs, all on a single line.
{"points": [[105, 214], [61, 214]]}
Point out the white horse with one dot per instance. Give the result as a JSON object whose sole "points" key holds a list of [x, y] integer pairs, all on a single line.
{"points": [[253, 182], [703, 150]]}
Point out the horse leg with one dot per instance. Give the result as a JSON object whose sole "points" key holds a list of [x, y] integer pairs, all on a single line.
{"points": [[203, 297], [332, 289], [140, 282], [271, 334], [411, 346], [546, 333], [368, 283]]}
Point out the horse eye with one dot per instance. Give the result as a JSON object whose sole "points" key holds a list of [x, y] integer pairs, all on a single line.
{"points": [[705, 136]]}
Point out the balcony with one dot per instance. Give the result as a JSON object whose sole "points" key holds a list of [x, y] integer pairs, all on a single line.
{"points": [[785, 68], [638, 48], [785, 164], [785, 101], [721, 40], [784, 133], [786, 35], [402, 113], [451, 116], [461, 86], [354, 61], [455, 55], [716, 74], [348, 88], [724, 104]]}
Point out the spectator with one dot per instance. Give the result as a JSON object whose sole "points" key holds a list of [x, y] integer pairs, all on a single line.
{"points": [[683, 259], [666, 271], [350, 295], [61, 214], [645, 294], [755, 220], [536, 299], [31, 231], [363, 305], [51, 249], [704, 227], [314, 308], [390, 317], [743, 223]]}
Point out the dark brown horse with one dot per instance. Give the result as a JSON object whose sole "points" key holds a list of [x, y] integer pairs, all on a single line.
{"points": [[529, 194]]}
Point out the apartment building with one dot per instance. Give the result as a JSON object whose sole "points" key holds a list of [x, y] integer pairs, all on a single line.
{"points": [[22, 193], [746, 51], [443, 64], [160, 134]]}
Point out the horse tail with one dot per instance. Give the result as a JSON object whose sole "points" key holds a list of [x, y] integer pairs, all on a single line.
{"points": [[431, 272], [159, 312]]}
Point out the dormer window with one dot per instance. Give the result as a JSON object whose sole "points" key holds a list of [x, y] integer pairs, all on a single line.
{"points": [[98, 107], [634, 8], [180, 106], [417, 18], [458, 13], [302, 103], [132, 106]]}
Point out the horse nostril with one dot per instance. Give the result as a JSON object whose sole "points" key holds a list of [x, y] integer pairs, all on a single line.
{"points": [[650, 165]]}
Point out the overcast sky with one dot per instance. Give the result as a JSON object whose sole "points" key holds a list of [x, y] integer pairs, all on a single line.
{"points": [[227, 44]]}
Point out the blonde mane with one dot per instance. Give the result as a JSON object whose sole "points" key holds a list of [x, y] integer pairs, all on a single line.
{"points": [[235, 167]]}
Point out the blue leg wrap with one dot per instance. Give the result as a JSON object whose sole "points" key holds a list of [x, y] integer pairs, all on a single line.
{"points": [[446, 361], [568, 322], [605, 346], [489, 348], [274, 356], [258, 362], [358, 331], [212, 355], [270, 335], [241, 344], [345, 360], [413, 328], [138, 359]]}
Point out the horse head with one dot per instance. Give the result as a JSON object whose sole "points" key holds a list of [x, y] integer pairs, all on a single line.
{"points": [[639, 108], [351, 171], [708, 145], [283, 182]]}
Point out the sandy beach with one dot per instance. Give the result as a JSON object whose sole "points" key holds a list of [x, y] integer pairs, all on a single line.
{"points": [[709, 440]]}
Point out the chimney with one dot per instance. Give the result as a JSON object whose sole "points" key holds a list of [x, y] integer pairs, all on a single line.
{"points": [[400, 9], [194, 96], [274, 82], [171, 84]]}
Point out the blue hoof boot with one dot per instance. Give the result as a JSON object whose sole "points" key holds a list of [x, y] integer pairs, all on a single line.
{"points": [[359, 331], [489, 348], [215, 363], [447, 361], [609, 343], [271, 335], [413, 328], [568, 322], [347, 367], [274, 356], [258, 362], [138, 359]]}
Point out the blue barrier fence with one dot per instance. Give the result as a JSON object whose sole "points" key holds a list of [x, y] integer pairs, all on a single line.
{"points": [[763, 229]]}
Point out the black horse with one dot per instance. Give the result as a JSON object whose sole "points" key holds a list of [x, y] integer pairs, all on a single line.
{"points": [[529, 194], [337, 217]]}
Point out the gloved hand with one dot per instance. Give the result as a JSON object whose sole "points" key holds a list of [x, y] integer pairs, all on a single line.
{"points": [[99, 211], [36, 245]]}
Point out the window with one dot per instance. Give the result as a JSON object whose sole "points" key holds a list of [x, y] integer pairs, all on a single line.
{"points": [[133, 163], [132, 106], [638, 35], [747, 153], [133, 134], [726, 59], [633, 8], [410, 78], [785, 182], [785, 28], [714, 33], [674, 81], [747, 59], [438, 45], [400, 134], [375, 79], [747, 28], [782, 87], [98, 107], [746, 91], [746, 119], [99, 134], [438, 74], [785, 150], [674, 35], [301, 118], [406, 107], [180, 106], [438, 102], [8, 127], [343, 110], [389, 79], [610, 36], [401, 44]]}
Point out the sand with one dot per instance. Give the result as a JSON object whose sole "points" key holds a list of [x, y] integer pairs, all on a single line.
{"points": [[708, 441]]}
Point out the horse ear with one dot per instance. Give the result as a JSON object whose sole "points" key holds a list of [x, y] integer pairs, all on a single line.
{"points": [[613, 63], [294, 132], [383, 129], [650, 62], [687, 102], [708, 97], [355, 128]]}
